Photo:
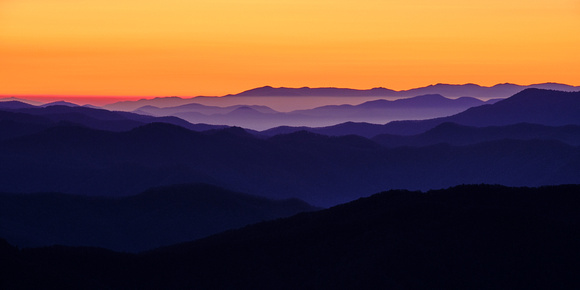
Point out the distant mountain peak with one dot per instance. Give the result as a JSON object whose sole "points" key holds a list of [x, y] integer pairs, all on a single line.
{"points": [[537, 94], [14, 105], [269, 91], [504, 84], [171, 97], [244, 110], [430, 97], [60, 103], [455, 85], [448, 90]]}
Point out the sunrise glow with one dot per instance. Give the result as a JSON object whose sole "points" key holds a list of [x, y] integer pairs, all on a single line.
{"points": [[188, 48]]}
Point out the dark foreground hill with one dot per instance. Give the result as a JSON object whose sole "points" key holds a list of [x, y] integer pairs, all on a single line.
{"points": [[476, 236], [157, 217]]}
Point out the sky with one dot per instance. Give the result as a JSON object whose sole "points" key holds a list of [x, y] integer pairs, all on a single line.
{"points": [[217, 47]]}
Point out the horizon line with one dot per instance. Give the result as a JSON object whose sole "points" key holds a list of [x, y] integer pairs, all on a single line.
{"points": [[4, 96]]}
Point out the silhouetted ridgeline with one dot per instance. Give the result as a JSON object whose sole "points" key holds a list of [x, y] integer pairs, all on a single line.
{"points": [[534, 106], [460, 135], [285, 99], [262, 117], [17, 116], [448, 90], [471, 236], [157, 217], [319, 169]]}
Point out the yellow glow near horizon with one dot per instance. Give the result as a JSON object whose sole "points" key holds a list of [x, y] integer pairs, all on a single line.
{"points": [[179, 47]]}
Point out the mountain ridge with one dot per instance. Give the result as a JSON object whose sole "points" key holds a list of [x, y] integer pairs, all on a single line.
{"points": [[449, 90], [257, 95], [258, 117], [159, 216], [319, 169], [21, 114], [539, 106]]}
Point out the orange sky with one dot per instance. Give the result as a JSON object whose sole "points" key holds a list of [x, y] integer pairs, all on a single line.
{"points": [[188, 48]]}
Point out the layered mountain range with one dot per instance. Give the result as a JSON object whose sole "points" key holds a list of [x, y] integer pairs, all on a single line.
{"points": [[536, 106], [73, 156], [133, 181], [289, 99], [262, 117]]}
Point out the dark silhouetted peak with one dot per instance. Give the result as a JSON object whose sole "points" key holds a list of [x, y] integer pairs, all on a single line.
{"points": [[539, 106], [436, 97], [429, 100], [374, 104], [15, 105], [435, 100], [472, 85], [230, 131], [350, 128], [313, 92], [283, 130], [556, 86], [60, 103], [91, 106], [267, 91], [493, 101], [533, 96], [504, 85], [64, 110], [99, 118], [161, 130], [423, 101]]}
